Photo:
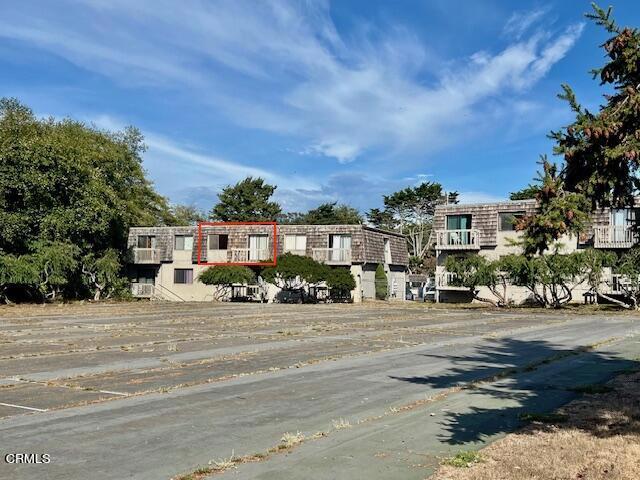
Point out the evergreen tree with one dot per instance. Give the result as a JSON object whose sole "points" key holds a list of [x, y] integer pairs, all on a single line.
{"points": [[602, 150], [248, 200]]}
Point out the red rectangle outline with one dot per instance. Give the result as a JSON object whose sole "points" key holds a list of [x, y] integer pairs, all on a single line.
{"points": [[248, 264]]}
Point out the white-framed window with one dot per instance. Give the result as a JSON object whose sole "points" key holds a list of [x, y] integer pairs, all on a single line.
{"points": [[183, 275], [387, 250], [183, 242], [146, 241], [295, 243]]}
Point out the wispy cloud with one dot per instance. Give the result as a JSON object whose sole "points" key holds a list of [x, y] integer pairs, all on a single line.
{"points": [[283, 67]]}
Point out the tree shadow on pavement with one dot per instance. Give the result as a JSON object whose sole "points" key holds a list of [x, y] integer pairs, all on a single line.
{"points": [[511, 379]]}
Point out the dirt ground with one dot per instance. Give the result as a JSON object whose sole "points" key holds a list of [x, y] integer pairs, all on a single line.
{"points": [[596, 437]]}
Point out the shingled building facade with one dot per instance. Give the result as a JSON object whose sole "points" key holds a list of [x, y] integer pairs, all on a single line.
{"points": [[166, 261], [487, 229]]}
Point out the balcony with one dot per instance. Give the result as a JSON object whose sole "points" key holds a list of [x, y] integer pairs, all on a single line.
{"points": [[146, 255], [251, 254], [142, 290], [614, 237], [458, 239], [332, 256], [444, 281]]}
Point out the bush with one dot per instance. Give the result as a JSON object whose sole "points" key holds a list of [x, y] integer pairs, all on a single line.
{"points": [[224, 276], [382, 284]]}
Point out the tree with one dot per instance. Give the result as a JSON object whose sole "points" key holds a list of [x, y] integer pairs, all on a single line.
{"points": [[559, 212], [185, 215], [473, 271], [248, 200], [381, 219], [382, 284], [224, 277], [295, 273], [528, 192], [340, 280], [332, 214], [551, 278], [103, 273], [411, 211], [602, 150], [68, 190]]}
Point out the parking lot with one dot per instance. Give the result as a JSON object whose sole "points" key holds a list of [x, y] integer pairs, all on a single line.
{"points": [[155, 390]]}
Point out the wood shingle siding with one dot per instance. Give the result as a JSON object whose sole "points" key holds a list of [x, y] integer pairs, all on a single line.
{"points": [[484, 216], [367, 243]]}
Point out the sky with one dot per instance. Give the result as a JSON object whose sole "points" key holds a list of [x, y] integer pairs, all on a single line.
{"points": [[331, 101]]}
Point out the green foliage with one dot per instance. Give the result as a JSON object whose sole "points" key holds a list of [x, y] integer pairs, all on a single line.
{"points": [[550, 278], [381, 283], [185, 215], [463, 459], [294, 272], [340, 279], [629, 267], [68, 190], [224, 276], [602, 150], [102, 274], [333, 214], [473, 271], [227, 275], [410, 211], [248, 200], [527, 193], [559, 213]]}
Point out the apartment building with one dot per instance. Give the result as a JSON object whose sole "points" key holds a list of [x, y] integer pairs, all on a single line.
{"points": [[487, 229], [166, 261]]}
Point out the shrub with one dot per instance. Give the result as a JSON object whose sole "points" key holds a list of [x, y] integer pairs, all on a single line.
{"points": [[224, 276], [381, 283]]}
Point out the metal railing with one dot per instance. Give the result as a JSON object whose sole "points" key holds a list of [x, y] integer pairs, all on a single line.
{"points": [[614, 237], [146, 255], [332, 255], [143, 290], [468, 239], [445, 279], [250, 254]]}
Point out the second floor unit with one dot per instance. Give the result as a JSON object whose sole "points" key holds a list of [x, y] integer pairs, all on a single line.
{"points": [[248, 244], [492, 226]]}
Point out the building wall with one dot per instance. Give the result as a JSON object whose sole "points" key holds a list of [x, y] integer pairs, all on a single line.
{"points": [[367, 244]]}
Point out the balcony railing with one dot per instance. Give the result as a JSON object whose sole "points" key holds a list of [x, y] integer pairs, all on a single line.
{"points": [[614, 237], [302, 252], [142, 290], [458, 239], [146, 255], [250, 254], [445, 280], [334, 256]]}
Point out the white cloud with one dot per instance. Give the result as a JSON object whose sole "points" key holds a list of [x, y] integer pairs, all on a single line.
{"points": [[283, 67]]}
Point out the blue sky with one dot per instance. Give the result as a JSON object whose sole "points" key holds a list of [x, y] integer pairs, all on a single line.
{"points": [[341, 101]]}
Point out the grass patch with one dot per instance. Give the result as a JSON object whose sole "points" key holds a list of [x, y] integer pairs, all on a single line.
{"points": [[591, 388], [289, 440], [543, 417], [341, 423], [463, 459]]}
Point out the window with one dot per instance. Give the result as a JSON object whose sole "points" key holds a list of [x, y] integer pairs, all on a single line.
{"points": [[507, 220], [258, 247], [183, 275], [340, 248], [458, 222], [146, 241], [294, 243], [183, 242], [218, 242]]}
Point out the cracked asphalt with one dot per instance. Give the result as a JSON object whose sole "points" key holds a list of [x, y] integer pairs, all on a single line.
{"points": [[151, 391]]}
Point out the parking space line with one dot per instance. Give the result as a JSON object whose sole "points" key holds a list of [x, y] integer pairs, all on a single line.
{"points": [[114, 393], [23, 407]]}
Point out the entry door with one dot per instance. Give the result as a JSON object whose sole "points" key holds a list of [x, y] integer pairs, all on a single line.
{"points": [[258, 247]]}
